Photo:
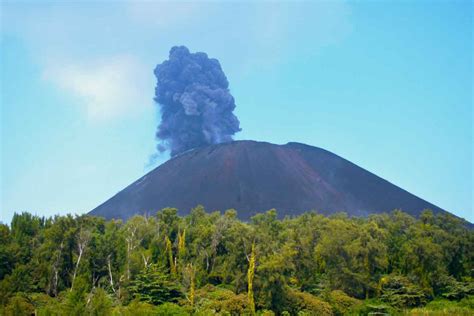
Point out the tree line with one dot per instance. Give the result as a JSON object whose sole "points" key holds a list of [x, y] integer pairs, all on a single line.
{"points": [[214, 264]]}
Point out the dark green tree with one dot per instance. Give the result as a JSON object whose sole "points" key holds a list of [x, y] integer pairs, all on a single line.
{"points": [[154, 285]]}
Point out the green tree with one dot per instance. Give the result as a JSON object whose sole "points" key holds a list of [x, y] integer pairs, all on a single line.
{"points": [[153, 285], [100, 303]]}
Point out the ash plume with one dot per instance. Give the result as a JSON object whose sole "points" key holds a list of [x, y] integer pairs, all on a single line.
{"points": [[196, 106]]}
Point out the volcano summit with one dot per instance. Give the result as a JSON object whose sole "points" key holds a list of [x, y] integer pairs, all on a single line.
{"points": [[252, 177]]}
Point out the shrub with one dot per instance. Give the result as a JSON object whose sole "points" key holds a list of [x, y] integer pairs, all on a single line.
{"points": [[18, 306], [45, 305], [171, 310], [6, 290], [73, 302], [444, 307], [341, 302], [399, 292], [100, 303], [468, 302], [215, 299], [135, 308], [452, 289], [374, 307], [306, 303]]}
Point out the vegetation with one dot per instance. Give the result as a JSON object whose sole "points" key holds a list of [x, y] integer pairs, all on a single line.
{"points": [[213, 264]]}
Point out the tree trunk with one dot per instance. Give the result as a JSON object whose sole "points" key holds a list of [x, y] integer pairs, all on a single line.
{"points": [[82, 241], [110, 274], [54, 289], [75, 270]]}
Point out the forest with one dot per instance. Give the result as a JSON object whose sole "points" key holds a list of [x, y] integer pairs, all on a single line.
{"points": [[214, 264]]}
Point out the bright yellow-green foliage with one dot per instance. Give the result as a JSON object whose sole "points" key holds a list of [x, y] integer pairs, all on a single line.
{"points": [[211, 299], [341, 302], [215, 264], [181, 243], [18, 306], [443, 307], [250, 275], [192, 284], [301, 301], [169, 249]]}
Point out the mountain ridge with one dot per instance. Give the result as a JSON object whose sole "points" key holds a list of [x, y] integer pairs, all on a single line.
{"points": [[252, 177]]}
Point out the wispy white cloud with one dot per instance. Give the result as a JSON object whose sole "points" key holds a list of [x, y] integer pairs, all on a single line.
{"points": [[81, 46], [110, 88]]}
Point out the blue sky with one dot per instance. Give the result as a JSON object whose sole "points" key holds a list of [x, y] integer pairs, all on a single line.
{"points": [[386, 85]]}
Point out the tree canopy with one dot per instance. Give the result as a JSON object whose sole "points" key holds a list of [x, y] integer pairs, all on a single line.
{"points": [[212, 263]]}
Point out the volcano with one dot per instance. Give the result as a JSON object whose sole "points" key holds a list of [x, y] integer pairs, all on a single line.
{"points": [[252, 177]]}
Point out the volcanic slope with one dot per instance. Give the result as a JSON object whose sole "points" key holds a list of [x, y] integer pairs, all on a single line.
{"points": [[252, 177]]}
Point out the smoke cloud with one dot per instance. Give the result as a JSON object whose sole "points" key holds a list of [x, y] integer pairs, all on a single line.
{"points": [[196, 106]]}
